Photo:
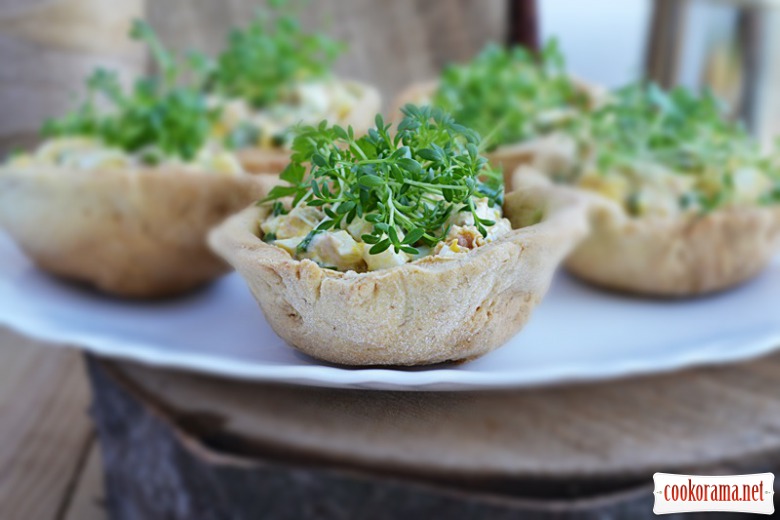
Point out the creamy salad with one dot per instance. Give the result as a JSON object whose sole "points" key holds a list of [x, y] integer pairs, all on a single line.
{"points": [[652, 189], [661, 153], [344, 249], [159, 121], [308, 103], [86, 153]]}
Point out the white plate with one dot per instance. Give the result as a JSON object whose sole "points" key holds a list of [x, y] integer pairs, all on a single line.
{"points": [[576, 334]]}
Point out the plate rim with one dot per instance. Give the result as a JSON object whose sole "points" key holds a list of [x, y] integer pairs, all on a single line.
{"points": [[377, 378]]}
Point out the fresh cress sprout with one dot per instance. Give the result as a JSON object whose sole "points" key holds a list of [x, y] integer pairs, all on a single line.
{"points": [[159, 115], [263, 61], [686, 132], [406, 185], [502, 92]]}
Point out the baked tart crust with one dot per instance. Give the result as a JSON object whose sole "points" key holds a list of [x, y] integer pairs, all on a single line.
{"points": [[674, 256], [429, 311], [137, 233]]}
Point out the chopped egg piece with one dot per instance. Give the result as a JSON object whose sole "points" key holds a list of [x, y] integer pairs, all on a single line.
{"points": [[289, 244], [55, 151], [384, 260], [335, 249], [218, 161], [483, 211], [297, 223], [750, 184], [359, 227], [449, 248], [611, 186], [500, 228]]}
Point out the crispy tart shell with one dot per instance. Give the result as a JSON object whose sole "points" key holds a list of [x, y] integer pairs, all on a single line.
{"points": [[426, 312], [677, 256], [130, 233]]}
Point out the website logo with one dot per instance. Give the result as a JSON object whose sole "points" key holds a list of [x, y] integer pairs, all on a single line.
{"points": [[733, 493]]}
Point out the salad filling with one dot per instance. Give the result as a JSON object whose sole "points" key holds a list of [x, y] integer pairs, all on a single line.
{"points": [[273, 76], [273, 126], [670, 153], [159, 122], [381, 200], [511, 95], [87, 153]]}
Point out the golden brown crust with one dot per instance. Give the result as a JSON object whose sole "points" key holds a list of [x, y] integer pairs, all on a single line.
{"points": [[427, 312], [133, 233], [672, 256], [274, 160]]}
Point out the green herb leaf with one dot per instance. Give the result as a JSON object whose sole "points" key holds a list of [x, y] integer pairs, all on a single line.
{"points": [[265, 60], [406, 185], [157, 113], [504, 93], [644, 129]]}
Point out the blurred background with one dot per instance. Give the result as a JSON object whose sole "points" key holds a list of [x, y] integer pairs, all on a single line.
{"points": [[49, 46]]}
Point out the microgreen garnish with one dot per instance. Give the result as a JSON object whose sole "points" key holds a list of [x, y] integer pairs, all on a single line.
{"points": [[679, 128], [502, 92], [159, 114], [405, 185], [263, 61], [685, 132]]}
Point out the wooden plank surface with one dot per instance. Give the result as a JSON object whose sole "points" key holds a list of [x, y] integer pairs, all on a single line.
{"points": [[45, 431], [204, 468], [88, 498], [623, 429]]}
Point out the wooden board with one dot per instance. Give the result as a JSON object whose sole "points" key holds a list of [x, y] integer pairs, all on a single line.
{"points": [[44, 427], [620, 429], [586, 450], [87, 501]]}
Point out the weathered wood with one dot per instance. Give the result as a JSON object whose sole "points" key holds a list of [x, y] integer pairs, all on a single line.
{"points": [[751, 38], [391, 44], [48, 47], [221, 449], [88, 499], [44, 427], [613, 430]]}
